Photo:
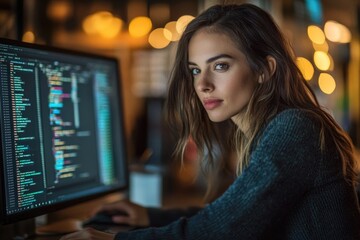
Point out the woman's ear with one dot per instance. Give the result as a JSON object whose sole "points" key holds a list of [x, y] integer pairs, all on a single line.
{"points": [[272, 67], [272, 64]]}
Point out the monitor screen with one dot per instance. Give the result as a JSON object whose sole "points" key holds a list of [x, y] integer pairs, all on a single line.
{"points": [[62, 135]]}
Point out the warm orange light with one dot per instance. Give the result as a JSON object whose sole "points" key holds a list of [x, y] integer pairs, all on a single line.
{"points": [[327, 83], [316, 34], [182, 22], [59, 10], [111, 28], [88, 25], [157, 38], [171, 26], [337, 32], [102, 23], [140, 26], [322, 60], [321, 47], [305, 67], [28, 36]]}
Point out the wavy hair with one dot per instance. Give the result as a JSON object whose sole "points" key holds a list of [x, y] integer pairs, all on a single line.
{"points": [[256, 34]]}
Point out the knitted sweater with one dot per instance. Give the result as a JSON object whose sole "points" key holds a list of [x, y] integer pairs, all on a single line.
{"points": [[290, 190]]}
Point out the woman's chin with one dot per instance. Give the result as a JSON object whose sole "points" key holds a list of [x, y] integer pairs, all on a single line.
{"points": [[217, 119]]}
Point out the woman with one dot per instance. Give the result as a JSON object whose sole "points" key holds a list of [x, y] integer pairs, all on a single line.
{"points": [[295, 165]]}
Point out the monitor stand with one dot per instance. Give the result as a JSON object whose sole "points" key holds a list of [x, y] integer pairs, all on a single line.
{"points": [[21, 230]]}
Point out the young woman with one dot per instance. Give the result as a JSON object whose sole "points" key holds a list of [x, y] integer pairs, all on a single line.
{"points": [[295, 165]]}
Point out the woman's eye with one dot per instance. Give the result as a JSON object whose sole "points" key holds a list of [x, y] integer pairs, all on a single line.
{"points": [[222, 66], [194, 71]]}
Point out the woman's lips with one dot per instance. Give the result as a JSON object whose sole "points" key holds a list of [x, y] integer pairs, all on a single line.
{"points": [[210, 104]]}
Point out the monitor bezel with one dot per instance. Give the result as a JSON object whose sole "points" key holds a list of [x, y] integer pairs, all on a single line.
{"points": [[46, 209]]}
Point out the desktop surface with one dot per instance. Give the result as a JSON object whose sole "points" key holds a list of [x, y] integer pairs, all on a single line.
{"points": [[173, 199]]}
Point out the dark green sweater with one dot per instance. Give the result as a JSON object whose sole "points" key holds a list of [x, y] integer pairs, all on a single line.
{"points": [[290, 190]]}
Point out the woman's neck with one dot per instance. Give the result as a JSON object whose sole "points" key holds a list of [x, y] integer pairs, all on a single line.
{"points": [[242, 123]]}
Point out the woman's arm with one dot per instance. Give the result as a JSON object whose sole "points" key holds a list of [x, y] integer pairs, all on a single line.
{"points": [[161, 217]]}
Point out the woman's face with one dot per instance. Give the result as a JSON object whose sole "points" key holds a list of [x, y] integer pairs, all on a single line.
{"points": [[222, 76]]}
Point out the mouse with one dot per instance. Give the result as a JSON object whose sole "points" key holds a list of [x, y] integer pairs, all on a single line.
{"points": [[103, 218]]}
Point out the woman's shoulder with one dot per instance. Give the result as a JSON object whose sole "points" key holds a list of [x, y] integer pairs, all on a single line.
{"points": [[292, 125], [290, 128], [293, 114], [294, 118]]}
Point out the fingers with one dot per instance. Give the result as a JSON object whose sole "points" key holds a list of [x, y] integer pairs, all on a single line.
{"points": [[113, 207], [132, 214], [121, 219], [136, 215]]}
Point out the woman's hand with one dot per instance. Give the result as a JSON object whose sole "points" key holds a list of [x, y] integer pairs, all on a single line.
{"points": [[136, 215], [88, 234]]}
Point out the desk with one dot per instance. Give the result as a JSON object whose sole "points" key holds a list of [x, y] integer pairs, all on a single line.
{"points": [[81, 211], [66, 216]]}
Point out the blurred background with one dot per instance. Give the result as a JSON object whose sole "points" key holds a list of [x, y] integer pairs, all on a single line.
{"points": [[143, 35]]}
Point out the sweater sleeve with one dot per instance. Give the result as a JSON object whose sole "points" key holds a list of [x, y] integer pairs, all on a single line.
{"points": [[160, 217], [282, 168]]}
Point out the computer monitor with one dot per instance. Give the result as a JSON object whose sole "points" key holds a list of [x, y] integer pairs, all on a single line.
{"points": [[62, 129]]}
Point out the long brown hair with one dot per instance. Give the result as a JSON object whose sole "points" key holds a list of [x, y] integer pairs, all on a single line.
{"points": [[256, 34]]}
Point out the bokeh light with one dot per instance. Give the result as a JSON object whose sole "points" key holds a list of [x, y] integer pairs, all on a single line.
{"points": [[305, 67], [171, 26], [102, 23], [59, 10], [322, 60], [321, 47], [29, 37], [327, 83], [316, 34], [140, 26], [157, 38], [337, 32], [182, 22]]}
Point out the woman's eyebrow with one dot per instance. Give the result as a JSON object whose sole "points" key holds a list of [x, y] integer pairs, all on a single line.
{"points": [[212, 59]]}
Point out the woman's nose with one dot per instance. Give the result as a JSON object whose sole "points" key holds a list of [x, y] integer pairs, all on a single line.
{"points": [[204, 83]]}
